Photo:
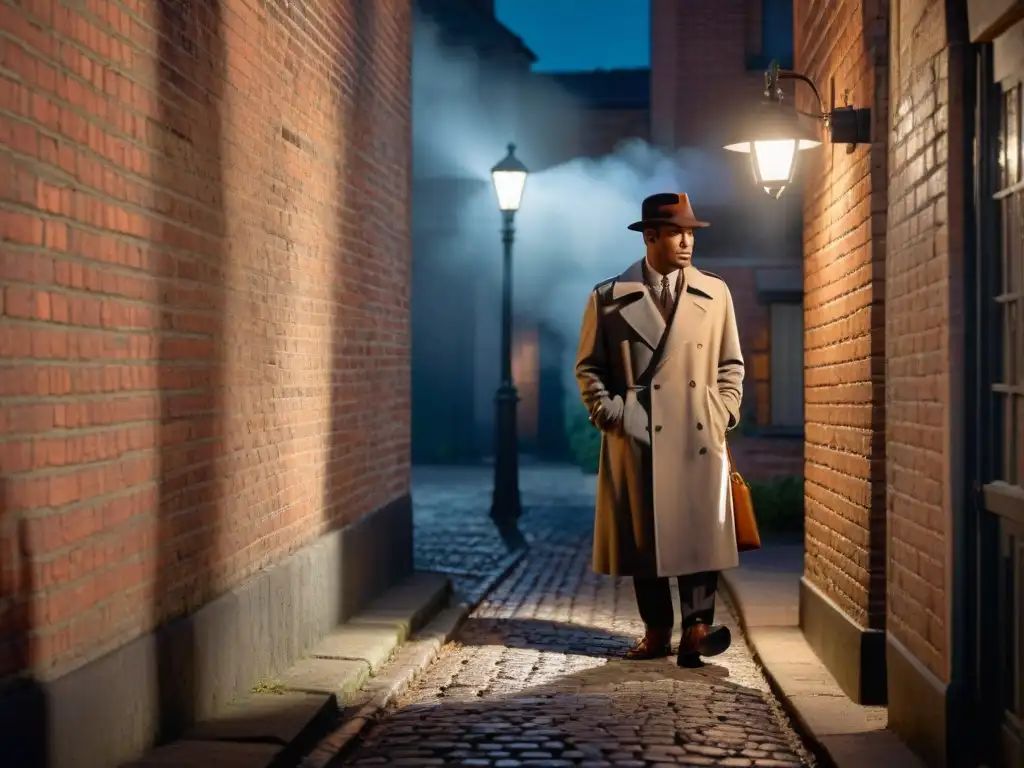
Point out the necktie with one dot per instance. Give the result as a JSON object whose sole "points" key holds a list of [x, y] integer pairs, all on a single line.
{"points": [[666, 297]]}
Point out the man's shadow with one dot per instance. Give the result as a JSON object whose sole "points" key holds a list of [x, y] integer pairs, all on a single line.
{"points": [[23, 700], [574, 639]]}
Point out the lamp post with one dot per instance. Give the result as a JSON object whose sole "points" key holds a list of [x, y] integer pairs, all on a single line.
{"points": [[509, 177], [774, 135]]}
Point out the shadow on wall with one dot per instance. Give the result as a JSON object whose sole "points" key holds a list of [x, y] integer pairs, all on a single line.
{"points": [[191, 259], [23, 701]]}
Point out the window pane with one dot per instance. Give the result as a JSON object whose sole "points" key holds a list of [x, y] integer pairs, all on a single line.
{"points": [[1001, 149], [1011, 323], [1008, 209], [777, 29], [1018, 447], [1009, 473], [1012, 136]]}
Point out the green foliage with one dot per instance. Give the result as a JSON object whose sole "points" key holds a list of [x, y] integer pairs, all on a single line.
{"points": [[779, 504], [583, 437]]}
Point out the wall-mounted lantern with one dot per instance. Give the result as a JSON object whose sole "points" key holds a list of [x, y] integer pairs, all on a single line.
{"points": [[774, 134]]}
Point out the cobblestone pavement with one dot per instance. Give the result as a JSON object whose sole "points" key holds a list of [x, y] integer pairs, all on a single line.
{"points": [[534, 678], [453, 532]]}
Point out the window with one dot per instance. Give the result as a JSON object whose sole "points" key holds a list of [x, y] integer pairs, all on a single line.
{"points": [[776, 39]]}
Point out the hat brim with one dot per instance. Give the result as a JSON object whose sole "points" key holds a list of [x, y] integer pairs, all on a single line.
{"points": [[640, 226]]}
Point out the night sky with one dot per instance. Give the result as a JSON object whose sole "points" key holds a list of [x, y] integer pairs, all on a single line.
{"points": [[609, 34]]}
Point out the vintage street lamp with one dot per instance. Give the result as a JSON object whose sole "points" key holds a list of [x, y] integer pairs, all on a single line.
{"points": [[509, 178], [774, 134]]}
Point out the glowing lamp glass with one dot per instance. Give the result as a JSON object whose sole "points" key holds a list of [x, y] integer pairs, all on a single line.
{"points": [[773, 137], [509, 186], [775, 160], [509, 177]]}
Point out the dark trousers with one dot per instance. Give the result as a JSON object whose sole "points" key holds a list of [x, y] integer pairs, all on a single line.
{"points": [[696, 599]]}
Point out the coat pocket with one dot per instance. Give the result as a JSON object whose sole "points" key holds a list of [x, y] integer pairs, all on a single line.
{"points": [[635, 421], [718, 412]]}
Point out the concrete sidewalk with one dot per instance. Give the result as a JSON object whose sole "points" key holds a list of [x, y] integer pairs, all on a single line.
{"points": [[765, 593]]}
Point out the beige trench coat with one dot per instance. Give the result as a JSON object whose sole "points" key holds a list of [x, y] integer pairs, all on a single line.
{"points": [[664, 505]]}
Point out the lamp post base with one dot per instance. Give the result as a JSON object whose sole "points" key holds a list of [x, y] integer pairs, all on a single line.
{"points": [[506, 505]]}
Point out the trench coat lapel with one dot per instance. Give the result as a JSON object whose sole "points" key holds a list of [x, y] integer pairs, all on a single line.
{"points": [[692, 308], [637, 307]]}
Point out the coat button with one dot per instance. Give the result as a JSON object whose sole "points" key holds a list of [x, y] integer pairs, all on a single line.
{"points": [[657, 386], [703, 451], [693, 383], [699, 425], [658, 428]]}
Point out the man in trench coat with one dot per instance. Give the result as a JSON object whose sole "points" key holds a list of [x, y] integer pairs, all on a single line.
{"points": [[660, 370]]}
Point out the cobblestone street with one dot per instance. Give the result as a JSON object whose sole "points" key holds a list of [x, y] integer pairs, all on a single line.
{"points": [[534, 679]]}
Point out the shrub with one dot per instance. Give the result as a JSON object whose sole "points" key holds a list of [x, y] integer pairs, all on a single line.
{"points": [[583, 437], [779, 504]]}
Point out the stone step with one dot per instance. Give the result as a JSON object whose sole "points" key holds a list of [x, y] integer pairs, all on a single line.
{"points": [[284, 716]]}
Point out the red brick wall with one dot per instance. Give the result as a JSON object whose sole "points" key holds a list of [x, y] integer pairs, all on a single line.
{"points": [[844, 340], [699, 79], [923, 314], [204, 335]]}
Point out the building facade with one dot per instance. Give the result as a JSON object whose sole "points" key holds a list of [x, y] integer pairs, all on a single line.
{"points": [[913, 588], [707, 61], [204, 366], [473, 91], [469, 75]]}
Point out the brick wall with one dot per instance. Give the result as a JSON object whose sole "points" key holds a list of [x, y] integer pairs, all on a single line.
{"points": [[922, 317], [844, 340], [699, 77], [204, 330]]}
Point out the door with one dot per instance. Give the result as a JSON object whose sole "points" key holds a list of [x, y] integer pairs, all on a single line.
{"points": [[999, 414], [787, 366]]}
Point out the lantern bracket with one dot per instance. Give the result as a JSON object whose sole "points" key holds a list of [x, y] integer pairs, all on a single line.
{"points": [[846, 125]]}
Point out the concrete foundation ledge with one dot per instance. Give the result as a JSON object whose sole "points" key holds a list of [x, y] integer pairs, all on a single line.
{"points": [[113, 708], [287, 714], [918, 704], [855, 655], [841, 732]]}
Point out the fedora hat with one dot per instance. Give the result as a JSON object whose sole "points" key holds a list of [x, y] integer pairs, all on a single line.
{"points": [[667, 208]]}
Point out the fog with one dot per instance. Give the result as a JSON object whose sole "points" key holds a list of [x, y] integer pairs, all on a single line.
{"points": [[571, 230]]}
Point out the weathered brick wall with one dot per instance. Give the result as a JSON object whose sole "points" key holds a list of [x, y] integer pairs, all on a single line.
{"points": [[699, 77], [922, 315], [844, 340], [204, 256]]}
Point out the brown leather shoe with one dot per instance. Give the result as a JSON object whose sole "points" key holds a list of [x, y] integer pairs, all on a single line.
{"points": [[702, 640], [655, 644]]}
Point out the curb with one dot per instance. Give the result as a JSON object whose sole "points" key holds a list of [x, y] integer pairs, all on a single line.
{"points": [[803, 728], [413, 658]]}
